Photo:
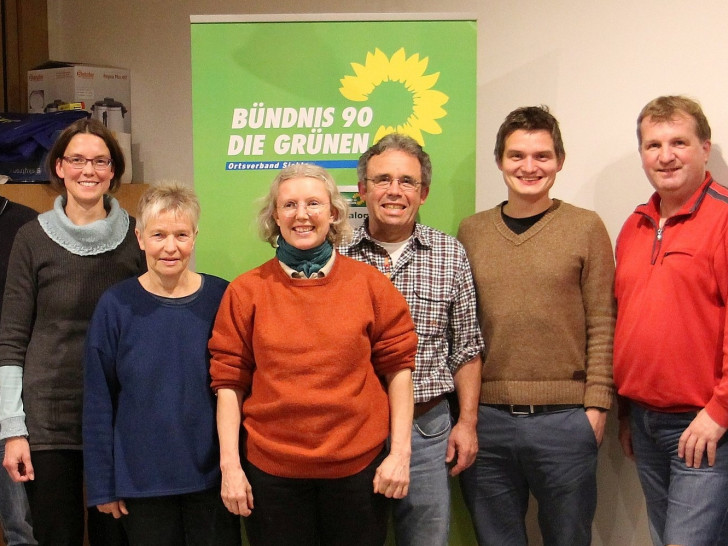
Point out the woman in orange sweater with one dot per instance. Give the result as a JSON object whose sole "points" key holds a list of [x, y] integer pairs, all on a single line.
{"points": [[318, 390]]}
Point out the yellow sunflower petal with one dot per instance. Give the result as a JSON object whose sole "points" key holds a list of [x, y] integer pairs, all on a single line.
{"points": [[410, 72]]}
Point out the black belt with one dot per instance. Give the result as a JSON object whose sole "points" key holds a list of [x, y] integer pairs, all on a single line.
{"points": [[424, 407], [531, 409]]}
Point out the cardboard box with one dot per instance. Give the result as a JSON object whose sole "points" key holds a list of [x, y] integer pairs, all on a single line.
{"points": [[81, 83]]}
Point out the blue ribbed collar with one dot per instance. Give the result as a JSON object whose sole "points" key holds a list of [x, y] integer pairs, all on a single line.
{"points": [[94, 238]]}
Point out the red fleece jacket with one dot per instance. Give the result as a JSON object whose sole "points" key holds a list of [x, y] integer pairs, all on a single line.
{"points": [[671, 285]]}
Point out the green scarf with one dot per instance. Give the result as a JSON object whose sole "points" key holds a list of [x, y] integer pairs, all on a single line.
{"points": [[305, 261]]}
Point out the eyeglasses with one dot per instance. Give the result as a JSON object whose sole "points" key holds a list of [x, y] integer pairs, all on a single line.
{"points": [[290, 208], [79, 162], [384, 181]]}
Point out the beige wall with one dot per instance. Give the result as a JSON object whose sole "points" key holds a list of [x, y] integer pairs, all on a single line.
{"points": [[594, 63]]}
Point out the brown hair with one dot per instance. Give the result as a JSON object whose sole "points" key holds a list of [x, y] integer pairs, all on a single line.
{"points": [[94, 127], [529, 118]]}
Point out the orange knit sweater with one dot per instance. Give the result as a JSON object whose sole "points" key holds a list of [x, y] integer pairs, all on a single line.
{"points": [[310, 357]]}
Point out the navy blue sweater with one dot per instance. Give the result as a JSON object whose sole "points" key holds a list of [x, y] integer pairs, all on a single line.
{"points": [[149, 413]]}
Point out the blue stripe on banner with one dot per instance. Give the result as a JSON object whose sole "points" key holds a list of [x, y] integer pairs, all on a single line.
{"points": [[276, 165]]}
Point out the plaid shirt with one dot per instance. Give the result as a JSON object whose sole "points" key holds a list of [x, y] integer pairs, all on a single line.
{"points": [[434, 276]]}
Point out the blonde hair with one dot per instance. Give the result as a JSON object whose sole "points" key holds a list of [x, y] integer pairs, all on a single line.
{"points": [[668, 107], [340, 229], [167, 196]]}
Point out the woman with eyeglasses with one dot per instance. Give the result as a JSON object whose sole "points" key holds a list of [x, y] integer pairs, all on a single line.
{"points": [[313, 353], [59, 267]]}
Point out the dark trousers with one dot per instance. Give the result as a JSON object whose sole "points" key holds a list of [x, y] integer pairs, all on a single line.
{"points": [[192, 519], [57, 505], [313, 512], [554, 456]]}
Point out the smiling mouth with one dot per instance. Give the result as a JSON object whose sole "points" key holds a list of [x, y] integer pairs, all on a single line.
{"points": [[303, 229], [393, 206]]}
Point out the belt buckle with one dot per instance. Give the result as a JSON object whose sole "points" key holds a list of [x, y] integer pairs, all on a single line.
{"points": [[521, 413]]}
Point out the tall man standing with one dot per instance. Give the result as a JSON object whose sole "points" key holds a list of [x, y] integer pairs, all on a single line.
{"points": [[431, 270], [671, 341], [543, 272]]}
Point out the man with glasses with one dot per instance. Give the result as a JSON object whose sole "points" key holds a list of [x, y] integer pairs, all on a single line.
{"points": [[543, 271], [431, 270]]}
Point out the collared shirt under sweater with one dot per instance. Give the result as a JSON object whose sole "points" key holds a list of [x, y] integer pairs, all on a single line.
{"points": [[434, 276]]}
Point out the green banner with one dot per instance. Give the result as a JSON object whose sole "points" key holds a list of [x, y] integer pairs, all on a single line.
{"points": [[266, 94]]}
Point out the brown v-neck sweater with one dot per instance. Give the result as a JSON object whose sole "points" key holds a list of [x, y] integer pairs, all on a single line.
{"points": [[545, 306]]}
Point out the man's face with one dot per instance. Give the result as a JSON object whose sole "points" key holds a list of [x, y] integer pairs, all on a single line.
{"points": [[673, 157], [392, 209], [529, 165]]}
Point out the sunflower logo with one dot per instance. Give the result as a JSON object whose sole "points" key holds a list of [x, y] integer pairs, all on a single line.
{"points": [[400, 93]]}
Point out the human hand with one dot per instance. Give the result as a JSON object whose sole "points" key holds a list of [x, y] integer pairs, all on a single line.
{"points": [[115, 508], [597, 420], [625, 437], [236, 491], [701, 437], [462, 447], [392, 476], [17, 459]]}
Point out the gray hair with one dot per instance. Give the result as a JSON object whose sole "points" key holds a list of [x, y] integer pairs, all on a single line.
{"points": [[400, 143]]}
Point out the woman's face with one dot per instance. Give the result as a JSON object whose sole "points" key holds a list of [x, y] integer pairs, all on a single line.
{"points": [[167, 241], [303, 212], [85, 186]]}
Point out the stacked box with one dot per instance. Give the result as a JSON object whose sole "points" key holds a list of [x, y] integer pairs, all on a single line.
{"points": [[79, 83]]}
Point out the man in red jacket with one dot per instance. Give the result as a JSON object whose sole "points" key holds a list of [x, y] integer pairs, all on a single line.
{"points": [[670, 345]]}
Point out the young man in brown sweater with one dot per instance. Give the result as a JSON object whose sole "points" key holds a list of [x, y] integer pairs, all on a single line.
{"points": [[543, 273]]}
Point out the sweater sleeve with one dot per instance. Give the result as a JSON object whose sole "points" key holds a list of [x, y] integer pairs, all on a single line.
{"points": [[597, 284], [394, 342], [12, 416], [100, 389], [19, 301], [232, 361]]}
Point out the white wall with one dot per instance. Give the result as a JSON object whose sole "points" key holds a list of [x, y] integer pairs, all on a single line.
{"points": [[594, 63]]}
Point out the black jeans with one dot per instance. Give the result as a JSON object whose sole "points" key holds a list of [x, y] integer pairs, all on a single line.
{"points": [[192, 519], [313, 512], [57, 505]]}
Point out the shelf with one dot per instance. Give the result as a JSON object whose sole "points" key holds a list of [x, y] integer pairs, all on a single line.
{"points": [[41, 196]]}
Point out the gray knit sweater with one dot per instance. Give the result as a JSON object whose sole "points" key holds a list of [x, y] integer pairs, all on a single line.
{"points": [[546, 307], [49, 298]]}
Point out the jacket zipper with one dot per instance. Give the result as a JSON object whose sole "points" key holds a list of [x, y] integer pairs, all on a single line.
{"points": [[657, 245]]}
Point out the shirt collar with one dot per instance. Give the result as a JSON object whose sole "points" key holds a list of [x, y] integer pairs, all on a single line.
{"points": [[652, 207], [323, 272], [419, 235]]}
